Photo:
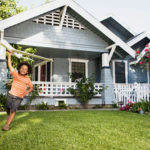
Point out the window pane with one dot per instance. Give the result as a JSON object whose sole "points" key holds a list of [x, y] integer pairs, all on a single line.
{"points": [[43, 72], [120, 72], [78, 70], [36, 73], [48, 71]]}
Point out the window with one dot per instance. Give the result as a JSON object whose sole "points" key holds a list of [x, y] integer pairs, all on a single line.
{"points": [[78, 68], [120, 71], [43, 71], [36, 73]]}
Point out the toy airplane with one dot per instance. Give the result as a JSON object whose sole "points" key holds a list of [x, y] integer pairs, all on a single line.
{"points": [[19, 53]]}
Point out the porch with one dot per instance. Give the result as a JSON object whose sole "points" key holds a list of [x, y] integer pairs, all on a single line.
{"points": [[59, 89], [123, 92]]}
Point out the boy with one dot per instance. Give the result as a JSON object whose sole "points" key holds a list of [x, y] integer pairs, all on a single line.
{"points": [[18, 89]]}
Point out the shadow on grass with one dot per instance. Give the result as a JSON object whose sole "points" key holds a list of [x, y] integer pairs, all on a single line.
{"points": [[22, 120]]}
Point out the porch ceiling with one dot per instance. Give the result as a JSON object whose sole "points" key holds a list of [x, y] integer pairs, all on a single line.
{"points": [[63, 53]]}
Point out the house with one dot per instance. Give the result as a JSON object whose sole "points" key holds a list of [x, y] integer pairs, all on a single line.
{"points": [[76, 41]]}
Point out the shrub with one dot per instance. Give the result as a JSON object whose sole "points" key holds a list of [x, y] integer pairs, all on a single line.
{"points": [[143, 105], [23, 107], [114, 105], [84, 90], [42, 106], [62, 105], [97, 106], [128, 106], [3, 99]]}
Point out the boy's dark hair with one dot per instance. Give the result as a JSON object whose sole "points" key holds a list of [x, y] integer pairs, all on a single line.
{"points": [[24, 63]]}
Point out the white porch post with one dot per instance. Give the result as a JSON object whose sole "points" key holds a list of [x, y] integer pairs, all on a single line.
{"points": [[3, 67], [105, 62], [108, 95]]}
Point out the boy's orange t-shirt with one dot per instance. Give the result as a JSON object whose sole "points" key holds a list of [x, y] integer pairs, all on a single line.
{"points": [[19, 85]]}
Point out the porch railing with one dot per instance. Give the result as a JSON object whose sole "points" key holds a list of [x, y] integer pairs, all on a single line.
{"points": [[131, 92], [59, 89]]}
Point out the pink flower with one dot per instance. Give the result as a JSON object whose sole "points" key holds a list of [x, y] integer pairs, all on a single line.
{"points": [[148, 56], [138, 52], [129, 101], [62, 89], [146, 50], [140, 62], [149, 62], [147, 45]]}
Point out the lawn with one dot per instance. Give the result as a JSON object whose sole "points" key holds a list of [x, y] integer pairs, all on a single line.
{"points": [[76, 130]]}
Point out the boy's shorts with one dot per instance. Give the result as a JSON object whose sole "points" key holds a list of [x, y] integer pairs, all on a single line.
{"points": [[13, 102]]}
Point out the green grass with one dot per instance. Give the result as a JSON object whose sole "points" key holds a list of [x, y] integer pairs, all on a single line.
{"points": [[76, 130]]}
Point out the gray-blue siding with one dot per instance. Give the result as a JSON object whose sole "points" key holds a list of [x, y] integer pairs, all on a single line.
{"points": [[42, 35], [61, 69]]}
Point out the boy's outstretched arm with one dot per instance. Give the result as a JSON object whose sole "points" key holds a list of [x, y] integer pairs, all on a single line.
{"points": [[9, 62]]}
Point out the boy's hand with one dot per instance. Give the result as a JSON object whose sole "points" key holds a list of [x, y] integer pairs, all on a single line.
{"points": [[25, 93], [10, 53]]}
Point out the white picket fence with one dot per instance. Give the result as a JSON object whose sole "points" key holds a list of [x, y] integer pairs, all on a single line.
{"points": [[123, 92], [131, 92], [59, 88]]}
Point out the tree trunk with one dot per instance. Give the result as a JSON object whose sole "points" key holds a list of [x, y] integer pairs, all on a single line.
{"points": [[85, 105]]}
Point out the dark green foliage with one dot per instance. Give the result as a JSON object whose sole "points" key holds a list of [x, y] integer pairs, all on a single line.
{"points": [[23, 107], [144, 105], [62, 105], [42, 106], [3, 99], [114, 105], [9, 8], [97, 106]]}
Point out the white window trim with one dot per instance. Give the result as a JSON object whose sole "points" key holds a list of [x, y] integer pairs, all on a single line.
{"points": [[78, 60], [126, 70], [39, 70]]}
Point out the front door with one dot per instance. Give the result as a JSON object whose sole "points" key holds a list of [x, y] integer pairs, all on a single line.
{"points": [[43, 73]]}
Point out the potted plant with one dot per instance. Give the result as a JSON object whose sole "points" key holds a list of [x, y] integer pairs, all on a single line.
{"points": [[84, 90], [140, 110]]}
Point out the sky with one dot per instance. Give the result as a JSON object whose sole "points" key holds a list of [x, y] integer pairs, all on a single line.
{"points": [[134, 14]]}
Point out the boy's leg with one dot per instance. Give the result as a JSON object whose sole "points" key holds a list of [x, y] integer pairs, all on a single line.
{"points": [[14, 105], [10, 117], [9, 120], [8, 113]]}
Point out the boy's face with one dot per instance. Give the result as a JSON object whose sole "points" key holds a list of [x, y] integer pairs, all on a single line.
{"points": [[23, 70]]}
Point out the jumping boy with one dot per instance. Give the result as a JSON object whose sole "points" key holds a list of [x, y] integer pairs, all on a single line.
{"points": [[18, 89]]}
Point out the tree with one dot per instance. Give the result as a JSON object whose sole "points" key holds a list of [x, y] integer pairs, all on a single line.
{"points": [[9, 8]]}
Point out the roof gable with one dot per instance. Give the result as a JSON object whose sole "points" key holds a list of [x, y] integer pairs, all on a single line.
{"points": [[53, 18], [117, 28], [72, 7]]}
